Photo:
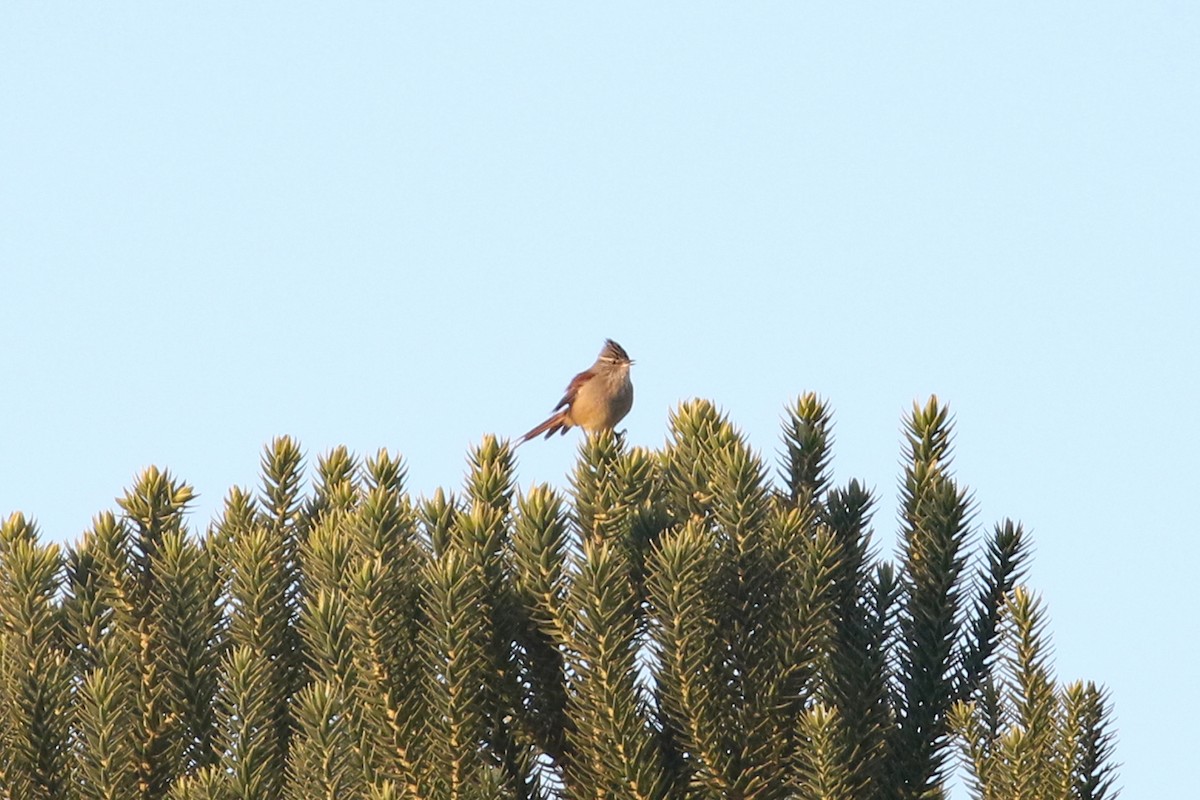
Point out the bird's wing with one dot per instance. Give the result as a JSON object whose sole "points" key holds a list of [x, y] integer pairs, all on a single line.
{"points": [[573, 389]]}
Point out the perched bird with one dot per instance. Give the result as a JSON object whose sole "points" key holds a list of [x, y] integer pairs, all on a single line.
{"points": [[597, 398]]}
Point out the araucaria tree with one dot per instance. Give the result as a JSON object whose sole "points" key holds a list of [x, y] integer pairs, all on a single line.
{"points": [[673, 624]]}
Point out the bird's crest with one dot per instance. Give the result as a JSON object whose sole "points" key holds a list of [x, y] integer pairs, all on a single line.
{"points": [[615, 353]]}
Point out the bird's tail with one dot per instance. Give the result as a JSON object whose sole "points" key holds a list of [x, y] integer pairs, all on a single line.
{"points": [[556, 424]]}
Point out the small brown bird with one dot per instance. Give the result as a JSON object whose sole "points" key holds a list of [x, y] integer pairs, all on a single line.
{"points": [[597, 398]]}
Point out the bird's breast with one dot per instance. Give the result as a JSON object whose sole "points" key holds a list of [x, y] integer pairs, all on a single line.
{"points": [[602, 402]]}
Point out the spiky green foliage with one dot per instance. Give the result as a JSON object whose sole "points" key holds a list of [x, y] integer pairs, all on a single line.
{"points": [[455, 645], [247, 726], [35, 674], [325, 763], [855, 675], [1025, 737], [205, 784], [260, 542], [613, 742], [807, 439], [826, 770], [672, 625], [542, 545], [190, 607], [384, 615], [1087, 744], [1005, 559], [154, 509], [741, 651], [936, 519], [143, 604], [106, 760], [102, 626], [485, 535]]}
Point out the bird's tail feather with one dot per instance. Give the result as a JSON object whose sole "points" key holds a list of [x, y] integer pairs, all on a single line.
{"points": [[556, 424]]}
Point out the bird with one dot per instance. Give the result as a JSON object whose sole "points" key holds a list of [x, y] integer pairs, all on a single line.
{"points": [[596, 399]]}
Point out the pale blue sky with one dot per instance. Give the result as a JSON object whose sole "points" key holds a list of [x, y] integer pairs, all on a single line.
{"points": [[384, 225]]}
